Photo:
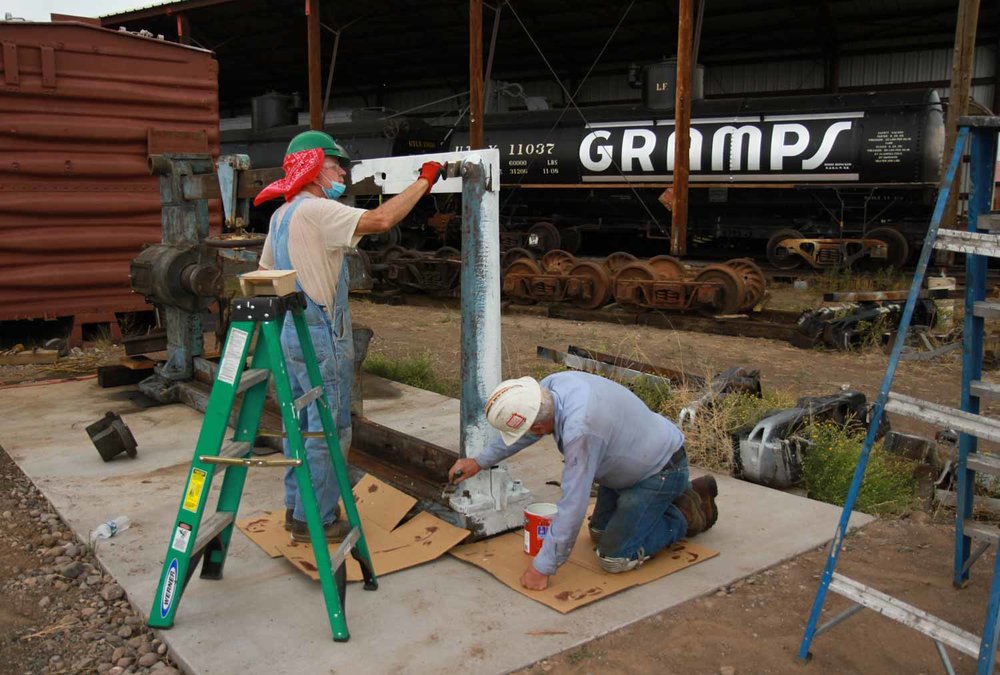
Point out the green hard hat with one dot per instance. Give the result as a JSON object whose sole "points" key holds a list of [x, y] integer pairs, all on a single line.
{"points": [[310, 140]]}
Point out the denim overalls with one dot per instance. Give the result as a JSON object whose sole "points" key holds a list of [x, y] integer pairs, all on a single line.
{"points": [[334, 345]]}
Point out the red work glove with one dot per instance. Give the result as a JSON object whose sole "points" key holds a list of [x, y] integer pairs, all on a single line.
{"points": [[430, 172]]}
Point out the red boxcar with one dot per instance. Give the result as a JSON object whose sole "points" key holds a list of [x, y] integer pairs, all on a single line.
{"points": [[81, 108]]}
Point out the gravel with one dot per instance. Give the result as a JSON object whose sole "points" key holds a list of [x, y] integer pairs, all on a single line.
{"points": [[66, 615]]}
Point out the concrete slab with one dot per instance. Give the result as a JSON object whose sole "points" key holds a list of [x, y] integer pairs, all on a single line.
{"points": [[264, 616]]}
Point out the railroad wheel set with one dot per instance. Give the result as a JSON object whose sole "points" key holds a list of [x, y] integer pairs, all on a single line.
{"points": [[661, 283]]}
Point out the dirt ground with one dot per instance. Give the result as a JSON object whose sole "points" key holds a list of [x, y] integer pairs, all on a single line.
{"points": [[402, 331], [753, 626]]}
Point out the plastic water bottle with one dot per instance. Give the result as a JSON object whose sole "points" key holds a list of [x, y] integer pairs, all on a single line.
{"points": [[110, 528]]}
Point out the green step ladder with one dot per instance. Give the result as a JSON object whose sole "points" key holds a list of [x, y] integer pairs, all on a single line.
{"points": [[192, 540]]}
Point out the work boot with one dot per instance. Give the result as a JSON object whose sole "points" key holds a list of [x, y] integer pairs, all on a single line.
{"points": [[708, 490], [595, 534], [335, 531], [690, 506], [289, 519]]}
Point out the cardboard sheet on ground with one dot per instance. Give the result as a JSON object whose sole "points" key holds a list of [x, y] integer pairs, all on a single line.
{"points": [[381, 508], [581, 580]]}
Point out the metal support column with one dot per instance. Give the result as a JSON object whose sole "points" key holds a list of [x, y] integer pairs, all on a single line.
{"points": [[480, 305], [476, 74], [315, 87], [963, 62], [185, 224], [682, 129]]}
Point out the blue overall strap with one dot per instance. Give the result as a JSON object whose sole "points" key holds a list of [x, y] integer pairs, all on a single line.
{"points": [[279, 239]]}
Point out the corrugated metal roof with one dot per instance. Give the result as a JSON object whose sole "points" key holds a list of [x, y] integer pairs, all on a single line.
{"points": [[81, 108]]}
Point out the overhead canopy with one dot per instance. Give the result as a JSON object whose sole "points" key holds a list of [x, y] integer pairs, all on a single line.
{"points": [[397, 45]]}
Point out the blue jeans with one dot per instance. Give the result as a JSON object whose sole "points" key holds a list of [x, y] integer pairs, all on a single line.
{"points": [[329, 358], [642, 520]]}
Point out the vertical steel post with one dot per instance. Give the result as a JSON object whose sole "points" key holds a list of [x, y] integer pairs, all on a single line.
{"points": [[963, 61], [480, 356], [476, 74], [329, 76], [315, 87], [682, 130]]}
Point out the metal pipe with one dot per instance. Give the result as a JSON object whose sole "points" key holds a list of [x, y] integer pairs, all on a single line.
{"points": [[183, 29], [945, 661], [698, 23], [493, 47], [963, 61], [329, 75], [682, 131], [475, 74], [480, 355], [313, 46], [840, 618]]}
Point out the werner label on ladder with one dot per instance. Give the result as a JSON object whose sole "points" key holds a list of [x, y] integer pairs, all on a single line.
{"points": [[978, 246], [194, 540]]}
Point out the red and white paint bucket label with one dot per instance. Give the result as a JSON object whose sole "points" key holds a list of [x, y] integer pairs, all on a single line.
{"points": [[537, 521]]}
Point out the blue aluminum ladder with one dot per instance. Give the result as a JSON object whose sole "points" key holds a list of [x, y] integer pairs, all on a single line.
{"points": [[979, 243]]}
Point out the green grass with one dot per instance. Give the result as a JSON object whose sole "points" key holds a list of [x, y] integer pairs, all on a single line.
{"points": [[416, 371], [828, 468]]}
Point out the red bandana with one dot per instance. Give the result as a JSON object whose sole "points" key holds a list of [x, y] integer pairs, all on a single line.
{"points": [[301, 168]]}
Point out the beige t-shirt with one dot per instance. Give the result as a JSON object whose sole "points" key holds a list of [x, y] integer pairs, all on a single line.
{"points": [[318, 233]]}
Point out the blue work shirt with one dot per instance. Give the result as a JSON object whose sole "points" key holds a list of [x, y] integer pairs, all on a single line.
{"points": [[606, 435]]}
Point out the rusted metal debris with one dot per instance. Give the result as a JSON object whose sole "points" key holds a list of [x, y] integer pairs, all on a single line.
{"points": [[660, 283]]}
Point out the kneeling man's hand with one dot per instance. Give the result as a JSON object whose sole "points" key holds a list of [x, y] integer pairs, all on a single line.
{"points": [[534, 580], [462, 469]]}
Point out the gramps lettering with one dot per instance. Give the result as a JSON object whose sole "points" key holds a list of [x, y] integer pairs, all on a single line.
{"points": [[782, 147]]}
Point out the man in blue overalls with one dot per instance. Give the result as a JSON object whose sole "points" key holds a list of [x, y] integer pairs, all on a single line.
{"points": [[310, 234]]}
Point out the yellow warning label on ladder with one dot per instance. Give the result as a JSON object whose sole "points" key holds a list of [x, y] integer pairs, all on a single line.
{"points": [[192, 496]]}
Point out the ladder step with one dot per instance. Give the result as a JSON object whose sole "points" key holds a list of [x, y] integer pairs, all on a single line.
{"points": [[210, 528], [988, 221], [983, 390], [338, 557], [972, 243], [984, 532], [907, 614], [251, 377], [984, 462], [235, 449], [986, 310], [944, 416], [307, 398]]}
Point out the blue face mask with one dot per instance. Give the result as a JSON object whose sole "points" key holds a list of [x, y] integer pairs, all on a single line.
{"points": [[335, 191]]}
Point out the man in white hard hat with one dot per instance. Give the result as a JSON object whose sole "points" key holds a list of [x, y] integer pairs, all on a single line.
{"points": [[609, 436]]}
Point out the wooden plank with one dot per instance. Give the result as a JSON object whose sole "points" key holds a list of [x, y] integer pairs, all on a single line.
{"points": [[29, 358], [268, 282], [137, 362]]}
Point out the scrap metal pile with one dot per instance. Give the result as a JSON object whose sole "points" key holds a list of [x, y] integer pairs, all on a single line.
{"points": [[659, 283]]}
